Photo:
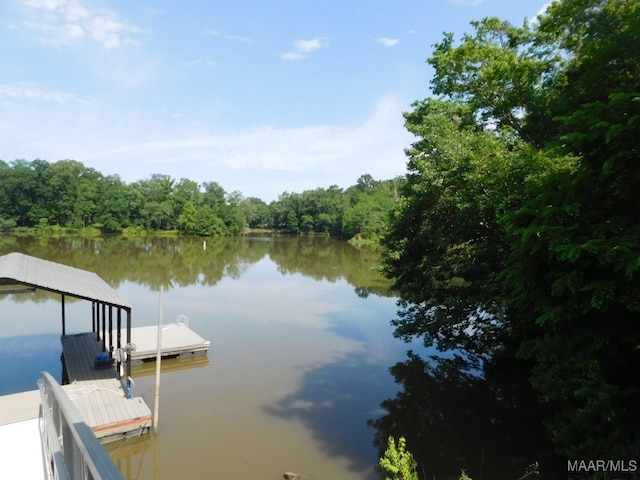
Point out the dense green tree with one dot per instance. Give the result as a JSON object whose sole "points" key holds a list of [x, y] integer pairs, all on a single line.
{"points": [[207, 223], [63, 198], [25, 189], [232, 214], [447, 245], [156, 209], [576, 244], [518, 225], [368, 205], [113, 205], [69, 194], [213, 195], [257, 213], [183, 192]]}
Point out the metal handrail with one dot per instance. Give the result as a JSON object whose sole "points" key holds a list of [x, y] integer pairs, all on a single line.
{"points": [[71, 449]]}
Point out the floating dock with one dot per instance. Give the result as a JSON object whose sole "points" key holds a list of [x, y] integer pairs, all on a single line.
{"points": [[100, 396], [178, 340], [96, 392]]}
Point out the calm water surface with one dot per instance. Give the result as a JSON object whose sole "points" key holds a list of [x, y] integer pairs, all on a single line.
{"points": [[300, 357]]}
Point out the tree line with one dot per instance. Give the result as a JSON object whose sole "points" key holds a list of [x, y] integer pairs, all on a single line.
{"points": [[68, 194], [517, 232]]}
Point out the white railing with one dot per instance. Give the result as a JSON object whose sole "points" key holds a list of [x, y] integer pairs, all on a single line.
{"points": [[71, 450]]}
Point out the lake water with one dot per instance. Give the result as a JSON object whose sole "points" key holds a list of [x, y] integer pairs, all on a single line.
{"points": [[300, 361], [301, 347]]}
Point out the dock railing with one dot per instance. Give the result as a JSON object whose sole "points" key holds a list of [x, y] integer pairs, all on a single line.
{"points": [[71, 450]]}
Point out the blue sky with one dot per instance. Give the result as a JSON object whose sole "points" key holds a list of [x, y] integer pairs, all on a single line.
{"points": [[261, 97]]}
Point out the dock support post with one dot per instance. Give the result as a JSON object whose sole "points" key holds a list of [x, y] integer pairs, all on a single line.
{"points": [[97, 330], [64, 321], [104, 327], [129, 394], [119, 339], [110, 331]]}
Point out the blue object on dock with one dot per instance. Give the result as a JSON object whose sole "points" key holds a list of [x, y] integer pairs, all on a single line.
{"points": [[102, 360]]}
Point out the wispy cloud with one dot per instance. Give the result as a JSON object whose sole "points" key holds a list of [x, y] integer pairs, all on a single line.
{"points": [[70, 22], [28, 91], [227, 36], [302, 49], [388, 42], [312, 152]]}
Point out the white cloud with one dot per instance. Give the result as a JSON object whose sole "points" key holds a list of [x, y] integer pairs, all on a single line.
{"points": [[302, 48], [27, 91], [306, 46], [388, 42], [261, 161], [267, 160], [68, 22]]}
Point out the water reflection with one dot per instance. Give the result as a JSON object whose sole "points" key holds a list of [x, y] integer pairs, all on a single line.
{"points": [[471, 413], [334, 402], [184, 261], [301, 349], [290, 320], [24, 357]]}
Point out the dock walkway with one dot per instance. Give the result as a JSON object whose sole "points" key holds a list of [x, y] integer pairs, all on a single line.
{"points": [[98, 394]]}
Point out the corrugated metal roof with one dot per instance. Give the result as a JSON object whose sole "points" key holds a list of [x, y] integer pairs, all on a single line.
{"points": [[17, 268]]}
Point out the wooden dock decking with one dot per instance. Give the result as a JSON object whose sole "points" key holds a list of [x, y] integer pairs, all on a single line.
{"points": [[98, 394]]}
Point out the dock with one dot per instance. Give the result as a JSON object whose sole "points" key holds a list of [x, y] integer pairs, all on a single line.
{"points": [[178, 340], [93, 399], [98, 394]]}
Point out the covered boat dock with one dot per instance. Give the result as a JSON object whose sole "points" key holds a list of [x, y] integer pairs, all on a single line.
{"points": [[101, 392]]}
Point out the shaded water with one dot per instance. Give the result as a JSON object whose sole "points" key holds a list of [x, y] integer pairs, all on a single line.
{"points": [[299, 363]]}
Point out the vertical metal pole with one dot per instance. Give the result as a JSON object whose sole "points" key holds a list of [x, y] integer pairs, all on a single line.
{"points": [[158, 360], [104, 327], [93, 316], [97, 330], [119, 328], [129, 394], [64, 322], [119, 340], [110, 331]]}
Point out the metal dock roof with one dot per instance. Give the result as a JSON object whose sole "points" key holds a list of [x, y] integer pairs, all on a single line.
{"points": [[20, 269]]}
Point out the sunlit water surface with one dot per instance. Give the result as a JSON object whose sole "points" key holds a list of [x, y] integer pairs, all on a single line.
{"points": [[300, 356]]}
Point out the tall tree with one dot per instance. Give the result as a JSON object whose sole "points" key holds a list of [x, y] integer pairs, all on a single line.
{"points": [[519, 223], [576, 244]]}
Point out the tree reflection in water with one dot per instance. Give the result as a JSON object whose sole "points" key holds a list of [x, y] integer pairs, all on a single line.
{"points": [[472, 413]]}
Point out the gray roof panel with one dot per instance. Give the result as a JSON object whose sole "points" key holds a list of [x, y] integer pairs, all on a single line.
{"points": [[56, 277]]}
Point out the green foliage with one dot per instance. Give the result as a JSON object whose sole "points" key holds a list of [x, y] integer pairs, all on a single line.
{"points": [[73, 196], [397, 462], [519, 225]]}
